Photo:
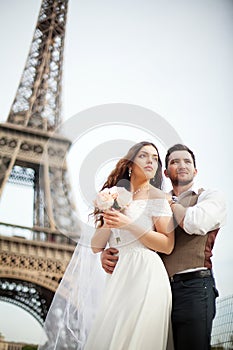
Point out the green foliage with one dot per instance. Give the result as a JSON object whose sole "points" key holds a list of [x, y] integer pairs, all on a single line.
{"points": [[29, 347]]}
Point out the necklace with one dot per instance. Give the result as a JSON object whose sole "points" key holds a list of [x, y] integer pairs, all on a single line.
{"points": [[139, 189]]}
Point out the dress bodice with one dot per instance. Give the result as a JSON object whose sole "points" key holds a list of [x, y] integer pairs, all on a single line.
{"points": [[142, 211]]}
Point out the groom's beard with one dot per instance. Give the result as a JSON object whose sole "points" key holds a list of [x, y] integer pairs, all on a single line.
{"points": [[177, 182]]}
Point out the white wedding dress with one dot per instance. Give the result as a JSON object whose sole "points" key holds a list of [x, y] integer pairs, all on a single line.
{"points": [[135, 311]]}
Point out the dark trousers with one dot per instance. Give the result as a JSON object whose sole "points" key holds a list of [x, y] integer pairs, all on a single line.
{"points": [[193, 311]]}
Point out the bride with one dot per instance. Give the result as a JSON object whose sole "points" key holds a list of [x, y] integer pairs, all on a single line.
{"points": [[133, 312]]}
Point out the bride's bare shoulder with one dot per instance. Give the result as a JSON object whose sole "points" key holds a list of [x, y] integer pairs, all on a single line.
{"points": [[156, 193]]}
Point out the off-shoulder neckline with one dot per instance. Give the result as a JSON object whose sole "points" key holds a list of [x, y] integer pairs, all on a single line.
{"points": [[149, 199]]}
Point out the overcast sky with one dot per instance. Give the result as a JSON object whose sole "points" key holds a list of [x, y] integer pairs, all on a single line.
{"points": [[173, 58]]}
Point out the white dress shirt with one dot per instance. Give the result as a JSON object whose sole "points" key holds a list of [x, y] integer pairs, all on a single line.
{"points": [[208, 214]]}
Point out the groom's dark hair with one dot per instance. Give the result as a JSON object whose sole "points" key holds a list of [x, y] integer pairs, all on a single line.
{"points": [[179, 147]]}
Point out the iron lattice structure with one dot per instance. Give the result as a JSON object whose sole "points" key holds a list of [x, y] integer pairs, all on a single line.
{"points": [[30, 272], [38, 99], [33, 152]]}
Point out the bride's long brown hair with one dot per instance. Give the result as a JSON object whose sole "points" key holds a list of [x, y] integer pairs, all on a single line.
{"points": [[120, 175]]}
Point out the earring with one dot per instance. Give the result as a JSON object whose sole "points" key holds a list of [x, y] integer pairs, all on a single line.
{"points": [[130, 171]]}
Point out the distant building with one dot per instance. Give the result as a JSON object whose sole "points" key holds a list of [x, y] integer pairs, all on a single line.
{"points": [[14, 346], [9, 345], [3, 344], [222, 333]]}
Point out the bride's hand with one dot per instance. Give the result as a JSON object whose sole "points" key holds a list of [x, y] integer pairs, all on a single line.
{"points": [[115, 219]]}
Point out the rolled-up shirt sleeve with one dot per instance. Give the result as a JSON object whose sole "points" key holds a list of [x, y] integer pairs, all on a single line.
{"points": [[208, 214]]}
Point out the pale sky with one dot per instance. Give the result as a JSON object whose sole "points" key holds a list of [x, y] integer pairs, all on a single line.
{"points": [[173, 58]]}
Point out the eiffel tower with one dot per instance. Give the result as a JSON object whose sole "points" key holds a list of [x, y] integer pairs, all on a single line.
{"points": [[33, 152]]}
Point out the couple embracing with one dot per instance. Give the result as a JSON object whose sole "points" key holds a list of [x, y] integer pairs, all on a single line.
{"points": [[160, 291]]}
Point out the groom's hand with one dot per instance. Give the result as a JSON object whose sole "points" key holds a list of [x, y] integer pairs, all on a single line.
{"points": [[109, 259]]}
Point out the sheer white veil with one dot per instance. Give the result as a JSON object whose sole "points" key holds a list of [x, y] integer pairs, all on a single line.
{"points": [[76, 300]]}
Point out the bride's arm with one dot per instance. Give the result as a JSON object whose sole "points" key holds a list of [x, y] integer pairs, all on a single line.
{"points": [[161, 240], [100, 239]]}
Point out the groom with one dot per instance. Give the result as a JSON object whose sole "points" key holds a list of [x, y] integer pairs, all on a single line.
{"points": [[198, 215]]}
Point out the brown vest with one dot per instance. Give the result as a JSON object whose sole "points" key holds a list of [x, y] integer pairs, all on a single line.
{"points": [[190, 251]]}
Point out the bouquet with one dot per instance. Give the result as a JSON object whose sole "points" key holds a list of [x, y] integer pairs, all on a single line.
{"points": [[115, 197]]}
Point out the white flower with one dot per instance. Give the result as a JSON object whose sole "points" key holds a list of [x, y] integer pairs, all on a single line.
{"points": [[113, 191], [117, 197], [104, 200], [124, 197]]}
